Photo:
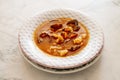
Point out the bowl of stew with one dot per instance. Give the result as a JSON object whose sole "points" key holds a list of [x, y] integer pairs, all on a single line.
{"points": [[60, 39]]}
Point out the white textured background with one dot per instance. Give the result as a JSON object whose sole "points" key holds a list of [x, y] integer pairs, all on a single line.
{"points": [[13, 13]]}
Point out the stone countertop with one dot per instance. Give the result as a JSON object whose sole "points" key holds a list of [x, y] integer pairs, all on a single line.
{"points": [[14, 12]]}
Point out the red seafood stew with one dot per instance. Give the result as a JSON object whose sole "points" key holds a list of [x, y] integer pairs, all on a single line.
{"points": [[61, 37]]}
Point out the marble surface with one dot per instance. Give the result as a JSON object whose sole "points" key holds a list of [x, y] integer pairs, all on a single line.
{"points": [[14, 12]]}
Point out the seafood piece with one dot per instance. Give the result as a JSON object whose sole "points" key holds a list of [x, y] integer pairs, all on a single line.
{"points": [[55, 27], [63, 52], [74, 48], [77, 40]]}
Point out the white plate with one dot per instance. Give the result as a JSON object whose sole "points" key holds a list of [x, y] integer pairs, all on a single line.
{"points": [[61, 71], [37, 56]]}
